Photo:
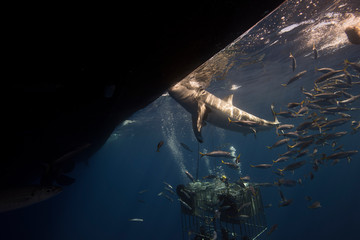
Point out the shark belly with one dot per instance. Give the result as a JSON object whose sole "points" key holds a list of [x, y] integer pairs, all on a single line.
{"points": [[220, 118]]}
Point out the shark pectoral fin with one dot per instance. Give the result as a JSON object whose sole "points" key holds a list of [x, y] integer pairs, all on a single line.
{"points": [[229, 99], [201, 116], [195, 129]]}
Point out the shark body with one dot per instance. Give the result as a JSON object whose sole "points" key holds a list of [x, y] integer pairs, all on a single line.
{"points": [[206, 107]]}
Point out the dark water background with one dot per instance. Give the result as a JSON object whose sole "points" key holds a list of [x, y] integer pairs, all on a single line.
{"points": [[106, 192]]}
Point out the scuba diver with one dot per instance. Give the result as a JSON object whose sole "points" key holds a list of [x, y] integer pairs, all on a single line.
{"points": [[202, 235]]}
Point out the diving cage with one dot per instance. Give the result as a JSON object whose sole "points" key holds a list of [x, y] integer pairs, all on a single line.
{"points": [[221, 210]]}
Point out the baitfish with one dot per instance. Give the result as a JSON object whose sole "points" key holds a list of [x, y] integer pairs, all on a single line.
{"points": [[279, 143], [293, 62], [231, 165], [211, 176], [168, 185], [186, 147], [315, 205], [189, 176], [217, 154], [340, 155], [285, 126], [293, 166], [293, 79], [290, 134], [295, 104], [354, 65], [315, 51], [264, 165], [136, 220], [348, 100], [327, 75], [285, 182], [285, 203], [272, 229], [302, 144], [281, 159], [333, 123], [304, 125], [159, 146], [185, 204]]}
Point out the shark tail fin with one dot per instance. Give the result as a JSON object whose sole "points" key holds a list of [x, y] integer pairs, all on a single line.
{"points": [[202, 154], [284, 84], [276, 121], [268, 147]]}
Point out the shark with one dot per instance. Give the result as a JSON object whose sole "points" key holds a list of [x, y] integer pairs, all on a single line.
{"points": [[205, 107]]}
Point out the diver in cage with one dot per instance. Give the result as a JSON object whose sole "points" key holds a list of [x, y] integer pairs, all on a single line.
{"points": [[202, 235], [225, 234]]}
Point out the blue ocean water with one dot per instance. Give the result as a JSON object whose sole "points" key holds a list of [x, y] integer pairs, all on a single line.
{"points": [[124, 178]]}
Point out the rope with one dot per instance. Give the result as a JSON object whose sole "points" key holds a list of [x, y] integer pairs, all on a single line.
{"points": [[198, 160]]}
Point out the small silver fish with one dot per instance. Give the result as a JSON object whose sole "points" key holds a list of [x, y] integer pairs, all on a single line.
{"points": [[294, 78], [315, 205], [285, 203], [136, 220], [279, 143], [293, 62], [281, 159], [264, 165], [354, 65], [293, 166], [217, 154], [184, 204], [231, 165], [168, 185], [186, 147], [189, 176], [315, 51]]}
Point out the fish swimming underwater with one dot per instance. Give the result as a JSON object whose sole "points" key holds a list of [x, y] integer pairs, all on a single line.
{"points": [[205, 107]]}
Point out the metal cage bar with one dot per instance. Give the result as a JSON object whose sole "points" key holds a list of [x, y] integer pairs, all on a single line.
{"points": [[227, 198]]}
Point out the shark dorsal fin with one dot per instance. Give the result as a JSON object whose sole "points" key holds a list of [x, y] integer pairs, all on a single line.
{"points": [[229, 99]]}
